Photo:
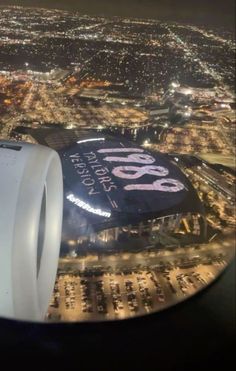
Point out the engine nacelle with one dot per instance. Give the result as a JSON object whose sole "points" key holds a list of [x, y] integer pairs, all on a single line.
{"points": [[31, 206]]}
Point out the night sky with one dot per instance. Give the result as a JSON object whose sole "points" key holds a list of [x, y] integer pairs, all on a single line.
{"points": [[197, 11]]}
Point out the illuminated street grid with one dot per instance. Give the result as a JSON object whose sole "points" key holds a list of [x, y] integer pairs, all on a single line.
{"points": [[116, 286], [94, 72], [204, 139], [168, 87], [127, 293]]}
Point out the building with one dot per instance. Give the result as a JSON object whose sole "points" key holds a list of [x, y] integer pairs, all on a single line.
{"points": [[119, 196]]}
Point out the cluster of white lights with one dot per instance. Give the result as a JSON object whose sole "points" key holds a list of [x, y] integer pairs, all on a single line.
{"points": [[174, 85], [187, 114], [77, 201]]}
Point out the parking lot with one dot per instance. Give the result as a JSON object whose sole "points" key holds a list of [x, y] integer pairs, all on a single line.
{"points": [[94, 295]]}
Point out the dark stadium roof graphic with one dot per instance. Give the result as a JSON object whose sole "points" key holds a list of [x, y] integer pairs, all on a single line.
{"points": [[109, 181]]}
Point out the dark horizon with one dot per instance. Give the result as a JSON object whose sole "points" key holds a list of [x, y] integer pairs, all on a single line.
{"points": [[201, 12]]}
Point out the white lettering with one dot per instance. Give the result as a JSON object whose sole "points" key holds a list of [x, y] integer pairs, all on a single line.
{"points": [[87, 207], [124, 172], [163, 185], [139, 158]]}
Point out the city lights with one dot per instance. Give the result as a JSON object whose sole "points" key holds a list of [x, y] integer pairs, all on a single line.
{"points": [[142, 114]]}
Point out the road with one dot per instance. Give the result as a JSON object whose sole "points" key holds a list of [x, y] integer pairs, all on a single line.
{"points": [[131, 260]]}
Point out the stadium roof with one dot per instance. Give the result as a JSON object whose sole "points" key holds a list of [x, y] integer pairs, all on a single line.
{"points": [[109, 181]]}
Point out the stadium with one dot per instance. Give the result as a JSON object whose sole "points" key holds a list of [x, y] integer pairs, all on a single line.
{"points": [[121, 197]]}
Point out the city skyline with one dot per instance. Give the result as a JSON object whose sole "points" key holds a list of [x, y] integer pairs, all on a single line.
{"points": [[187, 11]]}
